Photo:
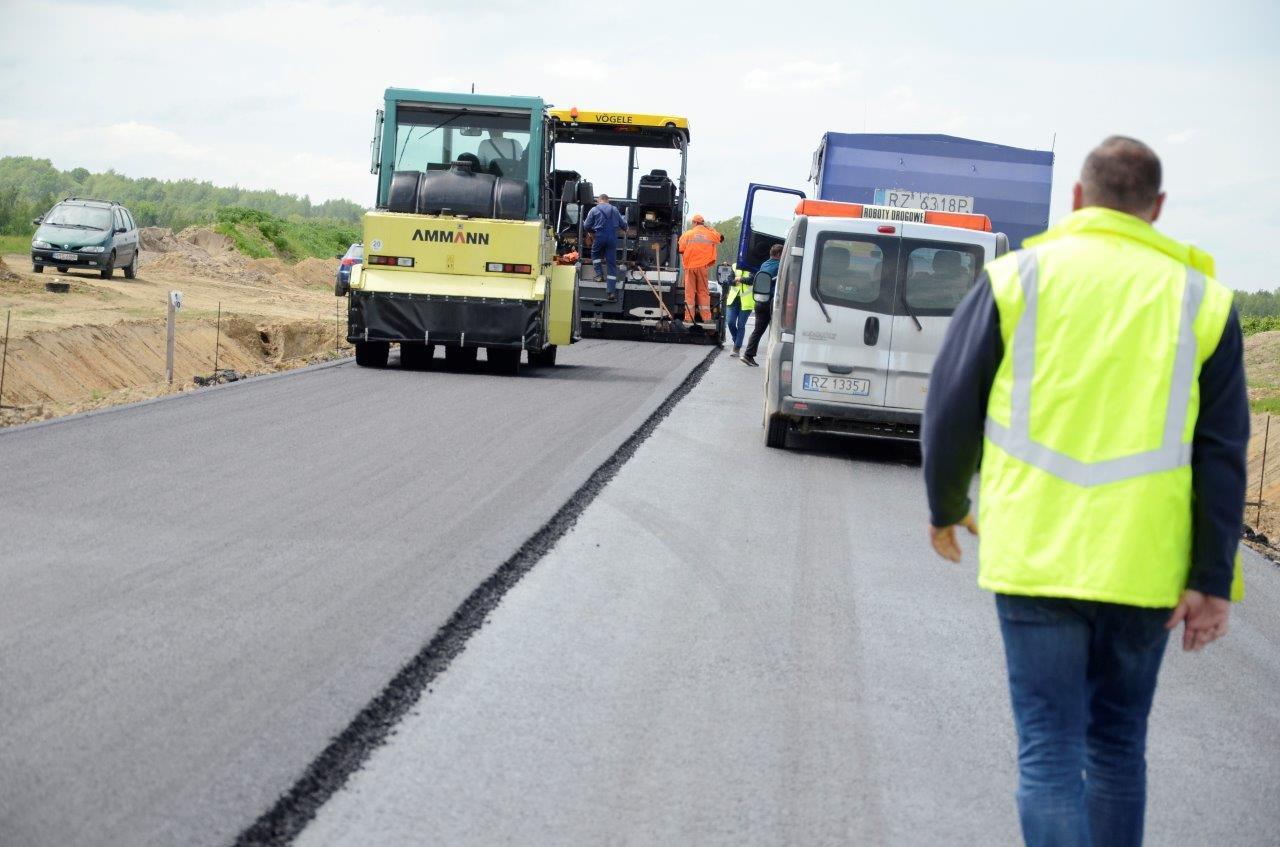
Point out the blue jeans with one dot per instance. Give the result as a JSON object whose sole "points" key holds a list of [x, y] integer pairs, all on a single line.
{"points": [[609, 248], [1082, 676], [736, 322]]}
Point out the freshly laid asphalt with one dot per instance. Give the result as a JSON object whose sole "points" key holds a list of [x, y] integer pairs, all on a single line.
{"points": [[199, 593], [737, 645]]}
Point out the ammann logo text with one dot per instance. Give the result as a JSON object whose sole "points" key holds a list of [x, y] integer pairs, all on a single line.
{"points": [[449, 236]]}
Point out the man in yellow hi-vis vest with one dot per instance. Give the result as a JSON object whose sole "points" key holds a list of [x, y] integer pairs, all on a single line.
{"points": [[1098, 373]]}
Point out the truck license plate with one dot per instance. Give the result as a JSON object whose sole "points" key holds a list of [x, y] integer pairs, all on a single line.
{"points": [[65, 257], [837, 384], [903, 199]]}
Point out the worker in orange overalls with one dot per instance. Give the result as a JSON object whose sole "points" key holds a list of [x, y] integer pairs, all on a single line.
{"points": [[698, 251]]}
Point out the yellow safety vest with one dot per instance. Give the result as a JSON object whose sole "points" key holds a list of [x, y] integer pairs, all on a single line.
{"points": [[741, 289], [1086, 471]]}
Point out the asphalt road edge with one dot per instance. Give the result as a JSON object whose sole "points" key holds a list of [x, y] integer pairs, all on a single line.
{"points": [[202, 391], [371, 727]]}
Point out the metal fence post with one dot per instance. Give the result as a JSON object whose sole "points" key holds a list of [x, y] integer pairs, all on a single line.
{"points": [[217, 343], [4, 357], [1262, 473], [175, 303]]}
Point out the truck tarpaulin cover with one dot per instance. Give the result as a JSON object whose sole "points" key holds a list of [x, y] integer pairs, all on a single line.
{"points": [[1010, 185], [389, 316]]}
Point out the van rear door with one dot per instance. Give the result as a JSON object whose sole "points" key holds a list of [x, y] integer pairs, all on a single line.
{"points": [[766, 217], [844, 322], [937, 266]]}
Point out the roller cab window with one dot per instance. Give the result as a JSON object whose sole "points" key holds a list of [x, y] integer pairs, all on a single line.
{"points": [[492, 141]]}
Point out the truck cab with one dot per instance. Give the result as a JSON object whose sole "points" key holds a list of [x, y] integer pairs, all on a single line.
{"points": [[864, 297]]}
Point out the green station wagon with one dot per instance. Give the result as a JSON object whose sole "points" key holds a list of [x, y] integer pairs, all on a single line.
{"points": [[82, 233]]}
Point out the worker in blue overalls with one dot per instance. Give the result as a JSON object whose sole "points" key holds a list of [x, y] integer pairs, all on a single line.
{"points": [[603, 222]]}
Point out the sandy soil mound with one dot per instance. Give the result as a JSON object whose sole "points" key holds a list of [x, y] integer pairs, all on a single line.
{"points": [[199, 251], [7, 275], [58, 371]]}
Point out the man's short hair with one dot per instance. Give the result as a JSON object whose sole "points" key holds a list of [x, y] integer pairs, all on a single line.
{"points": [[775, 252], [1121, 173], [604, 198]]}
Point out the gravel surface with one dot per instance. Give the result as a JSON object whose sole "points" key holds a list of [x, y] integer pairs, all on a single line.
{"points": [[740, 645], [200, 593]]}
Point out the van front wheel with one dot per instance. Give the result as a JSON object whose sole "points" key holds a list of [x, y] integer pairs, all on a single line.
{"points": [[775, 432]]}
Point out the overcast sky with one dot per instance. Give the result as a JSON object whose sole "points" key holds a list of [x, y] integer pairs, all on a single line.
{"points": [[268, 95]]}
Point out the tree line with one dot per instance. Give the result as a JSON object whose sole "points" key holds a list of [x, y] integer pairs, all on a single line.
{"points": [[29, 187]]}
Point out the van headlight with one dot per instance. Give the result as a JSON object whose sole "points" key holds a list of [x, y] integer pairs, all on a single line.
{"points": [[97, 248], [41, 245]]}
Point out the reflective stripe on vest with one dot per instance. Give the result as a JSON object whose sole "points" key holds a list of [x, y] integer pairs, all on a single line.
{"points": [[1016, 438]]}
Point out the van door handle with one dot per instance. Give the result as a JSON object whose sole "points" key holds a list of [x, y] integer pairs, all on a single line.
{"points": [[840, 369], [871, 331]]}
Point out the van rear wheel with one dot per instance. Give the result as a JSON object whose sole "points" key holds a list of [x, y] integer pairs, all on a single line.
{"points": [[775, 432]]}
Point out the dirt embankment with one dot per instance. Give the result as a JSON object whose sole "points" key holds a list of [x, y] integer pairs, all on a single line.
{"points": [[104, 341]]}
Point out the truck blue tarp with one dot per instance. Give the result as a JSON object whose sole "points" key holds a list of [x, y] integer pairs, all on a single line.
{"points": [[1010, 185]]}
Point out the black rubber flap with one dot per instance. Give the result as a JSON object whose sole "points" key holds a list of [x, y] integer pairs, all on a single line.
{"points": [[486, 322]]}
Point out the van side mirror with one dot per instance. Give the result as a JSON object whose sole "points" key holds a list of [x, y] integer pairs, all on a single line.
{"points": [[36, 221], [760, 286], [121, 229]]}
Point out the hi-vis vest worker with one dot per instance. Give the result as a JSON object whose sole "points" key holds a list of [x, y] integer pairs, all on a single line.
{"points": [[698, 245], [741, 288], [1098, 373], [1094, 500]]}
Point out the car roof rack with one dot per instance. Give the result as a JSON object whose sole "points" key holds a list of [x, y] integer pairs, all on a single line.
{"points": [[90, 200]]}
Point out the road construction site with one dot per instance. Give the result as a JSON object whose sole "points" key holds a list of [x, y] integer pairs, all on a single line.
{"points": [[102, 342], [585, 604]]}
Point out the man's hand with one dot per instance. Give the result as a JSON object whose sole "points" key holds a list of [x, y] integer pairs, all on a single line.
{"points": [[1205, 617], [943, 538]]}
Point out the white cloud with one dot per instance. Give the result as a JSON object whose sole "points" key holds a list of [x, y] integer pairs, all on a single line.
{"points": [[799, 76], [281, 95]]}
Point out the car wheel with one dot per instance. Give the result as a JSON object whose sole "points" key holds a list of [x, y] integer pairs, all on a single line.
{"points": [[775, 432], [37, 268], [543, 358], [110, 267], [372, 354], [131, 269]]}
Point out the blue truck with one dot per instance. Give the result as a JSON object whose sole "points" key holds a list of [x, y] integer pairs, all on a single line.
{"points": [[1010, 185]]}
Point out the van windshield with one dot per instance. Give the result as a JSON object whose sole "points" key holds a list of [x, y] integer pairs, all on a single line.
{"points": [[81, 217]]}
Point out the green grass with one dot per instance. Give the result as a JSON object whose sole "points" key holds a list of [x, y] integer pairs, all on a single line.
{"points": [[260, 235], [15, 244], [1251, 324], [1266, 404]]}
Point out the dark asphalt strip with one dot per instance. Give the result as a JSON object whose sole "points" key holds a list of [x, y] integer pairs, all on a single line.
{"points": [[375, 722]]}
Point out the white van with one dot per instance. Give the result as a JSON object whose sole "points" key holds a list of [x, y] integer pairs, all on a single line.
{"points": [[863, 300]]}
